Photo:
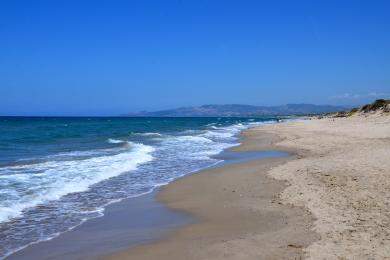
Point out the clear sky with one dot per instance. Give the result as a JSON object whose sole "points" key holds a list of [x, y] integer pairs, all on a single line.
{"points": [[95, 57]]}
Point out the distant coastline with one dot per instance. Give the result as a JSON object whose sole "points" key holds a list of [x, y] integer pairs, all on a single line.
{"points": [[237, 110]]}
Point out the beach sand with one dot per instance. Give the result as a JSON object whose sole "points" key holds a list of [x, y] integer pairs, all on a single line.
{"points": [[343, 179], [329, 200], [238, 213]]}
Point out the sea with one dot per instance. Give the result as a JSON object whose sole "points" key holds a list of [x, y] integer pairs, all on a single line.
{"points": [[57, 172]]}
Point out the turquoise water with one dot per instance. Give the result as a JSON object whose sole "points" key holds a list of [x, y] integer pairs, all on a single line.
{"points": [[56, 173]]}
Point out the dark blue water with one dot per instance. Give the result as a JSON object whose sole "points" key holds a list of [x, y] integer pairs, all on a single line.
{"points": [[56, 173]]}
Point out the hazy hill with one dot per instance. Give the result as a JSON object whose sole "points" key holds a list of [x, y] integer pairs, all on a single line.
{"points": [[242, 110]]}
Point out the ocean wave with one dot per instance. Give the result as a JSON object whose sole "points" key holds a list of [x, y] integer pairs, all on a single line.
{"points": [[215, 134], [53, 179], [192, 132], [226, 132], [196, 139], [262, 123], [193, 148]]}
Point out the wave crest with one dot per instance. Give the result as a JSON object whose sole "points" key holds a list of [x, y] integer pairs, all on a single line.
{"points": [[53, 179]]}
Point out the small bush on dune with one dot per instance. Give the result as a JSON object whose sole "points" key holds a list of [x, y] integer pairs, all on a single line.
{"points": [[377, 104]]}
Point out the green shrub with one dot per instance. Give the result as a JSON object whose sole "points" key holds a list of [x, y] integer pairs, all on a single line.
{"points": [[377, 104]]}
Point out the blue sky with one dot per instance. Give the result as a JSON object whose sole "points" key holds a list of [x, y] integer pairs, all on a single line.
{"points": [[112, 57]]}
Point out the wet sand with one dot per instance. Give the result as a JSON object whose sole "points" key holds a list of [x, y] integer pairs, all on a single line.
{"points": [[126, 224], [238, 211]]}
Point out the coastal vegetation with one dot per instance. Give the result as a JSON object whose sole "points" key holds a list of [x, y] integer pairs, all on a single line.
{"points": [[378, 106]]}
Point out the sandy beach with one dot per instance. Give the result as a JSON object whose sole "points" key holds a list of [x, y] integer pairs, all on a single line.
{"points": [[328, 200], [238, 210]]}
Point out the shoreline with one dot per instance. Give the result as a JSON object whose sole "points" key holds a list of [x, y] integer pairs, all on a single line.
{"points": [[237, 218], [328, 200], [101, 236], [87, 234]]}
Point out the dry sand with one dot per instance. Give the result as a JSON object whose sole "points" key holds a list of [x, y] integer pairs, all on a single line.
{"points": [[343, 178], [339, 177]]}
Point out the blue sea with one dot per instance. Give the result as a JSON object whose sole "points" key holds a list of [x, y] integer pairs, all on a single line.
{"points": [[56, 173]]}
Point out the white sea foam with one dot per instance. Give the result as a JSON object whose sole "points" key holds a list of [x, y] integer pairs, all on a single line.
{"points": [[30, 185], [199, 147], [194, 139], [219, 134], [115, 141]]}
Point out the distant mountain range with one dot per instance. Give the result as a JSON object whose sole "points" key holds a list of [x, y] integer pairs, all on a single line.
{"points": [[235, 110]]}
